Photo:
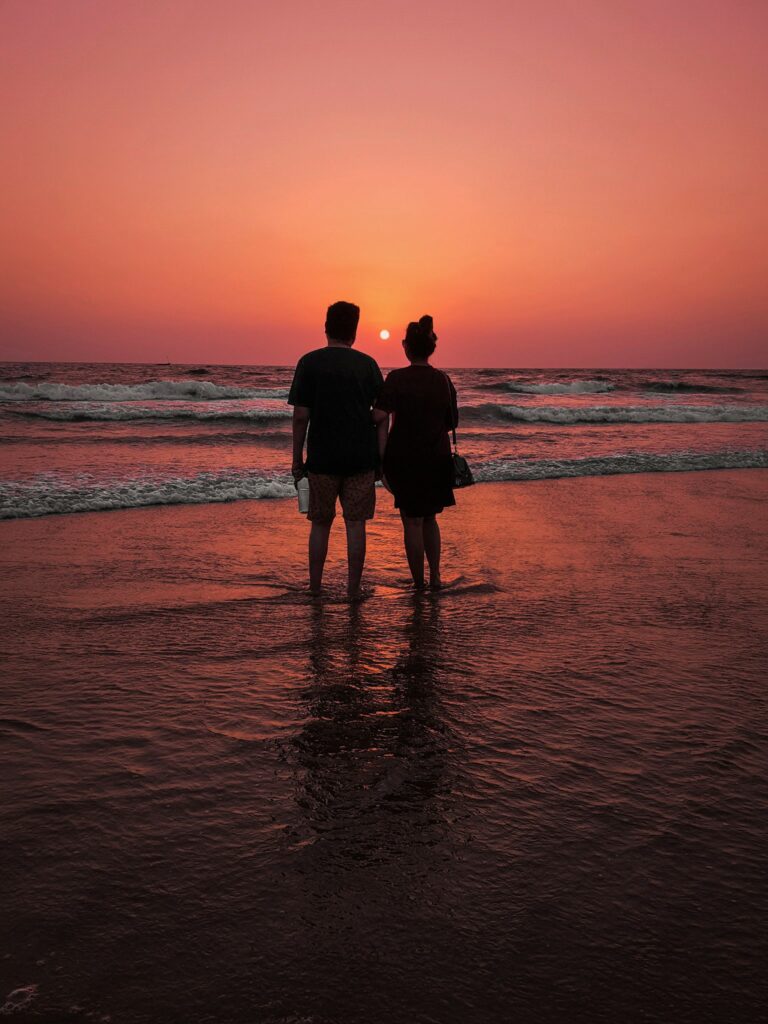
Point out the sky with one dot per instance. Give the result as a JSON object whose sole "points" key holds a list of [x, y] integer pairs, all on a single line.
{"points": [[561, 183]]}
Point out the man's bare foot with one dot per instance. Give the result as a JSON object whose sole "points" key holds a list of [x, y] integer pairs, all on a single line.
{"points": [[435, 583]]}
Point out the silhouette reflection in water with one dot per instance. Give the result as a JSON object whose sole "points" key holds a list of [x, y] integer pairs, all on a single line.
{"points": [[373, 848], [373, 753]]}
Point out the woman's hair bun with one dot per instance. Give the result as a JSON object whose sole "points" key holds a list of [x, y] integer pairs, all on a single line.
{"points": [[426, 325]]}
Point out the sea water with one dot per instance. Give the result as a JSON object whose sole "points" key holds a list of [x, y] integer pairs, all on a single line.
{"points": [[85, 437], [537, 796]]}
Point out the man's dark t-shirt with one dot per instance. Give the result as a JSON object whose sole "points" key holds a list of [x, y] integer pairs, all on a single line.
{"points": [[338, 386]]}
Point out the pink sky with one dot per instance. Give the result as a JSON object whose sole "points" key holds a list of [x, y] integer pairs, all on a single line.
{"points": [[559, 184]]}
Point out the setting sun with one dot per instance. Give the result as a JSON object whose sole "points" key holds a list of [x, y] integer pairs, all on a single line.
{"points": [[384, 335]]}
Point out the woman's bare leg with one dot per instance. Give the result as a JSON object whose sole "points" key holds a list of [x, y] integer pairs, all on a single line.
{"points": [[413, 534], [432, 549]]}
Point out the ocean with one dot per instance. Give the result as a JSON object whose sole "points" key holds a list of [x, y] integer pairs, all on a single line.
{"points": [[537, 795], [80, 437]]}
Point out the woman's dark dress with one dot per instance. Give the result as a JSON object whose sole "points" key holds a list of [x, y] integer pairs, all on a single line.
{"points": [[417, 462]]}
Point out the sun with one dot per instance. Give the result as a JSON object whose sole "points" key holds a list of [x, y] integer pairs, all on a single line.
{"points": [[384, 335]]}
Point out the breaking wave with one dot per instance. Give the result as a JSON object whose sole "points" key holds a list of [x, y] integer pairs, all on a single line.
{"points": [[576, 387], [123, 410], [49, 495], [622, 382], [674, 387], [121, 413], [610, 465], [566, 415], [154, 390], [46, 496]]}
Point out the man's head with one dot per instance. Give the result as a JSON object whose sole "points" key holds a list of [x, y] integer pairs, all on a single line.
{"points": [[341, 322]]}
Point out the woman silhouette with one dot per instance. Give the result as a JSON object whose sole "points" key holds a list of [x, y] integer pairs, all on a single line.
{"points": [[417, 458]]}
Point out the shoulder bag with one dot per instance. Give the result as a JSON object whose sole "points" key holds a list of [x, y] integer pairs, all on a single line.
{"points": [[461, 474]]}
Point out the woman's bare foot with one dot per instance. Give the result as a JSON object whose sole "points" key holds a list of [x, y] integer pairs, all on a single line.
{"points": [[435, 583]]}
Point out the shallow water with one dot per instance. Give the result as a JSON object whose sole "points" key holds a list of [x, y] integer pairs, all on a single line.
{"points": [[537, 796]]}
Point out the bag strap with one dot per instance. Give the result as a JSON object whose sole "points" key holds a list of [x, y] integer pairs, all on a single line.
{"points": [[450, 409]]}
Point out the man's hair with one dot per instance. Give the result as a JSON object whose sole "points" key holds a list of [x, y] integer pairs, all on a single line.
{"points": [[341, 321], [420, 339]]}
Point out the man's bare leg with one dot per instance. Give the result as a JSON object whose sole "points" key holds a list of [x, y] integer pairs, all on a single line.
{"points": [[413, 534], [355, 554], [318, 549], [432, 549]]}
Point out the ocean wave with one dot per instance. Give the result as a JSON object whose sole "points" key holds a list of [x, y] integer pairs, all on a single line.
{"points": [[566, 415], [124, 413], [685, 387], [611, 465], [153, 390], [51, 496], [602, 385], [574, 387]]}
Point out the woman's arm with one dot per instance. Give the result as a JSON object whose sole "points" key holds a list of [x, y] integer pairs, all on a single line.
{"points": [[454, 413]]}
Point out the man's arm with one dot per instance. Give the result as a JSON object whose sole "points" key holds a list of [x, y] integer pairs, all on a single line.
{"points": [[381, 419], [300, 424]]}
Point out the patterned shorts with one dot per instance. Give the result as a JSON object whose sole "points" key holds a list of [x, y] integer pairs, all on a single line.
{"points": [[357, 495]]}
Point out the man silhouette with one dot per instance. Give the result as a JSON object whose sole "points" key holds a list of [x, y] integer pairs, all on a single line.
{"points": [[332, 395]]}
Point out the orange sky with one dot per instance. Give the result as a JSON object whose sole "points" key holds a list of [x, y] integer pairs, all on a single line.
{"points": [[559, 183]]}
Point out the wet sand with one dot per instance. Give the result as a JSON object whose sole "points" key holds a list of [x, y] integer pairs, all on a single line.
{"points": [[537, 796]]}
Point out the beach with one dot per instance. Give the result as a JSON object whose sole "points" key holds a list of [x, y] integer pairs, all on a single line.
{"points": [[257, 253], [537, 796]]}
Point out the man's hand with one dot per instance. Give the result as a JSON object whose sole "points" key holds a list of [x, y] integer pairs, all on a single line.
{"points": [[298, 471]]}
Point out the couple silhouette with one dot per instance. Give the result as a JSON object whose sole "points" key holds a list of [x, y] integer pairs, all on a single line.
{"points": [[359, 428]]}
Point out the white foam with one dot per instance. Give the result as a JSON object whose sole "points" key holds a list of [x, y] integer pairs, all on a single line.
{"points": [[576, 387], [49, 495], [609, 465], [634, 413], [221, 410], [154, 390]]}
